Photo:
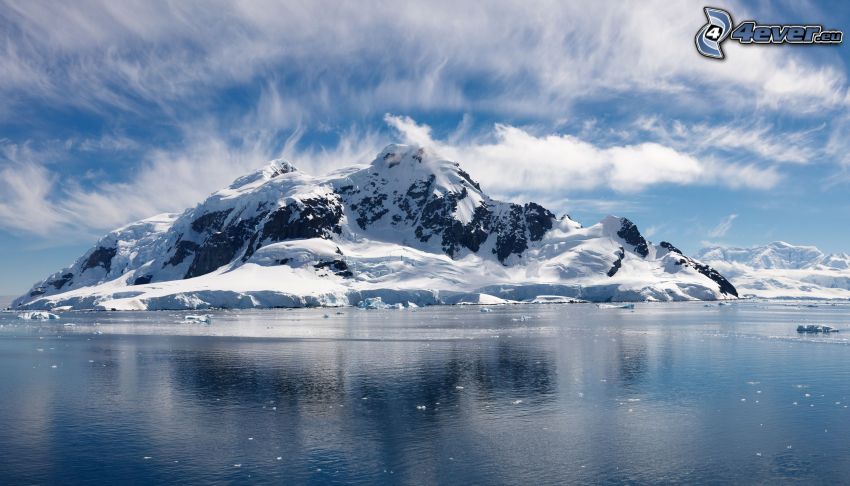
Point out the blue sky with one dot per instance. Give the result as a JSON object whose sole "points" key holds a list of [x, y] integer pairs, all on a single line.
{"points": [[114, 111]]}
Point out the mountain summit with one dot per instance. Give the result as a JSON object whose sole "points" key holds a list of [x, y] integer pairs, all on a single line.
{"points": [[409, 227], [783, 270]]}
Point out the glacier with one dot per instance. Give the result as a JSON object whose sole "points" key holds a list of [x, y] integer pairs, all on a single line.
{"points": [[781, 270], [408, 228]]}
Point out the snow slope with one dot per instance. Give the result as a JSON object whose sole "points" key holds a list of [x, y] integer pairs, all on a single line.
{"points": [[783, 270], [408, 227]]}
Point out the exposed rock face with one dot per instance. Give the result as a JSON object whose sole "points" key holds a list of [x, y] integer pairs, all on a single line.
{"points": [[629, 232], [307, 218], [221, 247], [101, 257], [408, 195], [618, 262], [407, 198], [338, 267], [181, 250], [725, 286]]}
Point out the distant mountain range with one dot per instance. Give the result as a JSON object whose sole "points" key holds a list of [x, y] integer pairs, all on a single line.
{"points": [[782, 270], [410, 228]]}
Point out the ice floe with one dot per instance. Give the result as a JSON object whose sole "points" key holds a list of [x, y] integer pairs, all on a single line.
{"points": [[38, 316]]}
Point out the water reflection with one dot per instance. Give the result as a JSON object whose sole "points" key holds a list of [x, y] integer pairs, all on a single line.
{"points": [[546, 394]]}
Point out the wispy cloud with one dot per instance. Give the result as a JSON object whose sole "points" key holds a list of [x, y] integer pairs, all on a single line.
{"points": [[723, 227], [235, 83], [751, 137], [549, 168], [35, 200], [505, 57]]}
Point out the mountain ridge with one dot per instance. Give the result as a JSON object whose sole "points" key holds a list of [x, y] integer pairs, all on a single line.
{"points": [[287, 238], [782, 270]]}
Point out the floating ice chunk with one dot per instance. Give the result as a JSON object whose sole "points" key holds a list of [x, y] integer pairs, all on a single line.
{"points": [[377, 303], [815, 328], [38, 316], [553, 299], [201, 318], [616, 306]]}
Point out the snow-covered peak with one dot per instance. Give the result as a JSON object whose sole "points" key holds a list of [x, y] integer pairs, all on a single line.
{"points": [[273, 169], [287, 232], [403, 164], [277, 167], [624, 230], [775, 255]]}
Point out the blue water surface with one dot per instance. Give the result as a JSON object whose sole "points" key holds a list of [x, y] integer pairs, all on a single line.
{"points": [[525, 394]]}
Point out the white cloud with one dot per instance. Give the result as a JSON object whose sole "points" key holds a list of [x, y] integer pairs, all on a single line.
{"points": [[509, 162], [723, 227], [379, 55], [512, 159]]}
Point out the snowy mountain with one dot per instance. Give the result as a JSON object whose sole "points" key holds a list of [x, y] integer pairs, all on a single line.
{"points": [[782, 270], [778, 255], [408, 227]]}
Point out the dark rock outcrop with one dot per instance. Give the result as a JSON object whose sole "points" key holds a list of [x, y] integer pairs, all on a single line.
{"points": [[222, 247], [210, 222], [61, 281], [338, 267], [307, 218], [630, 234], [618, 262], [183, 249], [101, 257], [725, 286]]}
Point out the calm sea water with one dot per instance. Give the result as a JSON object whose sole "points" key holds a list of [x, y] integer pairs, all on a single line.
{"points": [[450, 395]]}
